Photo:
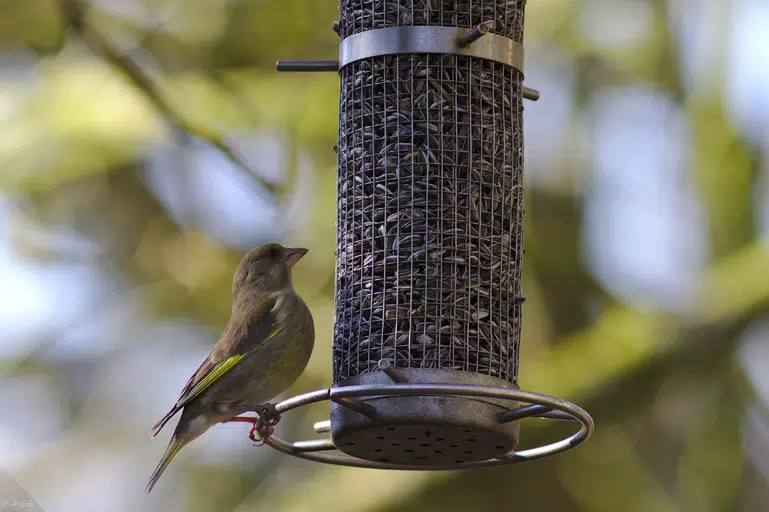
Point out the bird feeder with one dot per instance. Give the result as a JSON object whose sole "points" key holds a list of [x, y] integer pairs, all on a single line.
{"points": [[429, 249]]}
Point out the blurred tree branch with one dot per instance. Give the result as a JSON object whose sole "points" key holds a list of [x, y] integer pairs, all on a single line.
{"points": [[74, 11]]}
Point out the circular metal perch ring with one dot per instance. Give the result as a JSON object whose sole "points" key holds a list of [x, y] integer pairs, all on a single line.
{"points": [[310, 450]]}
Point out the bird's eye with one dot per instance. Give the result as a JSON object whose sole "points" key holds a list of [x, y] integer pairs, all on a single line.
{"points": [[274, 253]]}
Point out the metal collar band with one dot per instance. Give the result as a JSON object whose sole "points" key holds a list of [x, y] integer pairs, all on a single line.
{"points": [[429, 39]]}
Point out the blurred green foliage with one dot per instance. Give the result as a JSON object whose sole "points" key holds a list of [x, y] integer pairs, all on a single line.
{"points": [[90, 94]]}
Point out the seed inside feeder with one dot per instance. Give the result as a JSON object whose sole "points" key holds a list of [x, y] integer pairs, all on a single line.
{"points": [[430, 205]]}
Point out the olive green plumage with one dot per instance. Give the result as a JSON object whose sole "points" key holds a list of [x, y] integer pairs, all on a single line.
{"points": [[264, 348]]}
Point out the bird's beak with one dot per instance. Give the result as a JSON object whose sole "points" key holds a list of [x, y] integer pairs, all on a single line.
{"points": [[294, 254]]}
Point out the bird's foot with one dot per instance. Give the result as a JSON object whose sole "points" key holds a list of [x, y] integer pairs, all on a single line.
{"points": [[264, 431], [263, 424]]}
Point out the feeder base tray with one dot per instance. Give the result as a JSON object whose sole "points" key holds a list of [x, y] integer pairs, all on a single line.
{"points": [[424, 430], [424, 444]]}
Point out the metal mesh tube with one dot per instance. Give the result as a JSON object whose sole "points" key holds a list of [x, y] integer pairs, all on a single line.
{"points": [[503, 17], [430, 198]]}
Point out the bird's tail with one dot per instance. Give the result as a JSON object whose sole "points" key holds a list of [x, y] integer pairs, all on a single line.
{"points": [[191, 425], [160, 424], [176, 444]]}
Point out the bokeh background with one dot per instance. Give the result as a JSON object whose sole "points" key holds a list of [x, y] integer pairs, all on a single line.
{"points": [[146, 145]]}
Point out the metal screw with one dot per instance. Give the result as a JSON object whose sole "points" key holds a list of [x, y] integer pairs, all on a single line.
{"points": [[472, 35], [386, 366]]}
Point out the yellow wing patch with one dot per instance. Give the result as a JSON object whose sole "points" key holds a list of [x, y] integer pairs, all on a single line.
{"points": [[223, 368]]}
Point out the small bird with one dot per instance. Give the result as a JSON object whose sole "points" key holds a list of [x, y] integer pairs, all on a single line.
{"points": [[263, 350]]}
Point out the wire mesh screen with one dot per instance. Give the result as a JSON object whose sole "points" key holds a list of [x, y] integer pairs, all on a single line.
{"points": [[430, 200], [503, 17]]}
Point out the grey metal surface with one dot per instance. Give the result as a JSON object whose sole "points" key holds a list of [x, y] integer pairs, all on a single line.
{"points": [[426, 429], [440, 40], [316, 450], [307, 65]]}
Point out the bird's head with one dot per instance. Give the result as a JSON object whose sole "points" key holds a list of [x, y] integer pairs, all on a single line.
{"points": [[266, 269]]}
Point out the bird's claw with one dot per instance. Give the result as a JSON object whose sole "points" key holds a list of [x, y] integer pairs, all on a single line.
{"points": [[264, 425], [264, 431]]}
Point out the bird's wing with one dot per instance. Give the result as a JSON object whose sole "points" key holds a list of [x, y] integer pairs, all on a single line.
{"points": [[242, 337]]}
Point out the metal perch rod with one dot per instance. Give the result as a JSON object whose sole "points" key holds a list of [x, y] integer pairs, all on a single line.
{"points": [[333, 65]]}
